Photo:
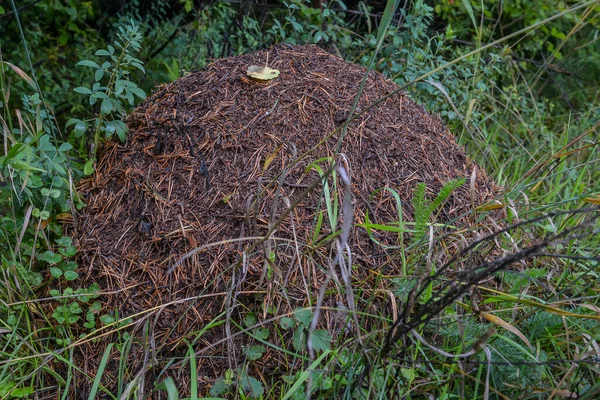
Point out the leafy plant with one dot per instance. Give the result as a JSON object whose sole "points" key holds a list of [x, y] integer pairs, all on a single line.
{"points": [[300, 324], [112, 88], [423, 211], [240, 381], [256, 351]]}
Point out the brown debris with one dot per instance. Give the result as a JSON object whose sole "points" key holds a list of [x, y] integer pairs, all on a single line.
{"points": [[202, 165]]}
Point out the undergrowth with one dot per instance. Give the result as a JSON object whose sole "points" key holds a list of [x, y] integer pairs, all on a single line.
{"points": [[513, 311]]}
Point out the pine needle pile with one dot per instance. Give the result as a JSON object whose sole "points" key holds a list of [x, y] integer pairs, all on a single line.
{"points": [[177, 216]]}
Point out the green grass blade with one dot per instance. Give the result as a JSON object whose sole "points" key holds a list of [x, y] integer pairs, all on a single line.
{"points": [[101, 368]]}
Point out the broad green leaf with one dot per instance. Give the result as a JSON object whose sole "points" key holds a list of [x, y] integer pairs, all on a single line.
{"points": [[53, 193], [49, 257], [98, 75], [119, 86], [64, 241], [56, 272], [261, 333], [287, 323], [82, 90], [110, 127], [138, 92], [254, 352], [249, 320], [80, 128], [320, 339], [106, 106], [138, 66], [71, 275], [22, 393], [107, 319], [65, 147], [88, 168], [251, 386], [102, 52], [219, 388], [88, 63], [305, 316], [72, 121]]}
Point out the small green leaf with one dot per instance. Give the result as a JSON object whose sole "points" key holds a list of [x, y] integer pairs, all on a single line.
{"points": [[22, 393], [53, 193], [88, 168], [49, 257], [254, 352], [69, 251], [107, 319], [56, 272], [138, 92], [65, 147], [320, 339], [219, 388], [82, 90], [138, 66], [80, 128], [119, 86], [110, 128], [72, 121], [252, 386], [71, 275], [64, 241], [96, 307], [299, 339], [304, 316], [88, 63], [249, 320], [102, 52], [287, 323], [106, 106], [98, 75], [261, 333]]}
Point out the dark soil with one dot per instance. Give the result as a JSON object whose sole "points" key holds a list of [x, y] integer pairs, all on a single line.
{"points": [[214, 158]]}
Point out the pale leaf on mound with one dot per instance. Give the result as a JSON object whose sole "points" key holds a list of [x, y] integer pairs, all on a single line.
{"points": [[262, 73]]}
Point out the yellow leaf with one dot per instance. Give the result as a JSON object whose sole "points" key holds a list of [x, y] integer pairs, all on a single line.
{"points": [[499, 321], [595, 199], [262, 73], [491, 206], [536, 187], [271, 157]]}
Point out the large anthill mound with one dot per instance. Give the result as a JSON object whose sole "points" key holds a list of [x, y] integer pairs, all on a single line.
{"points": [[215, 158]]}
